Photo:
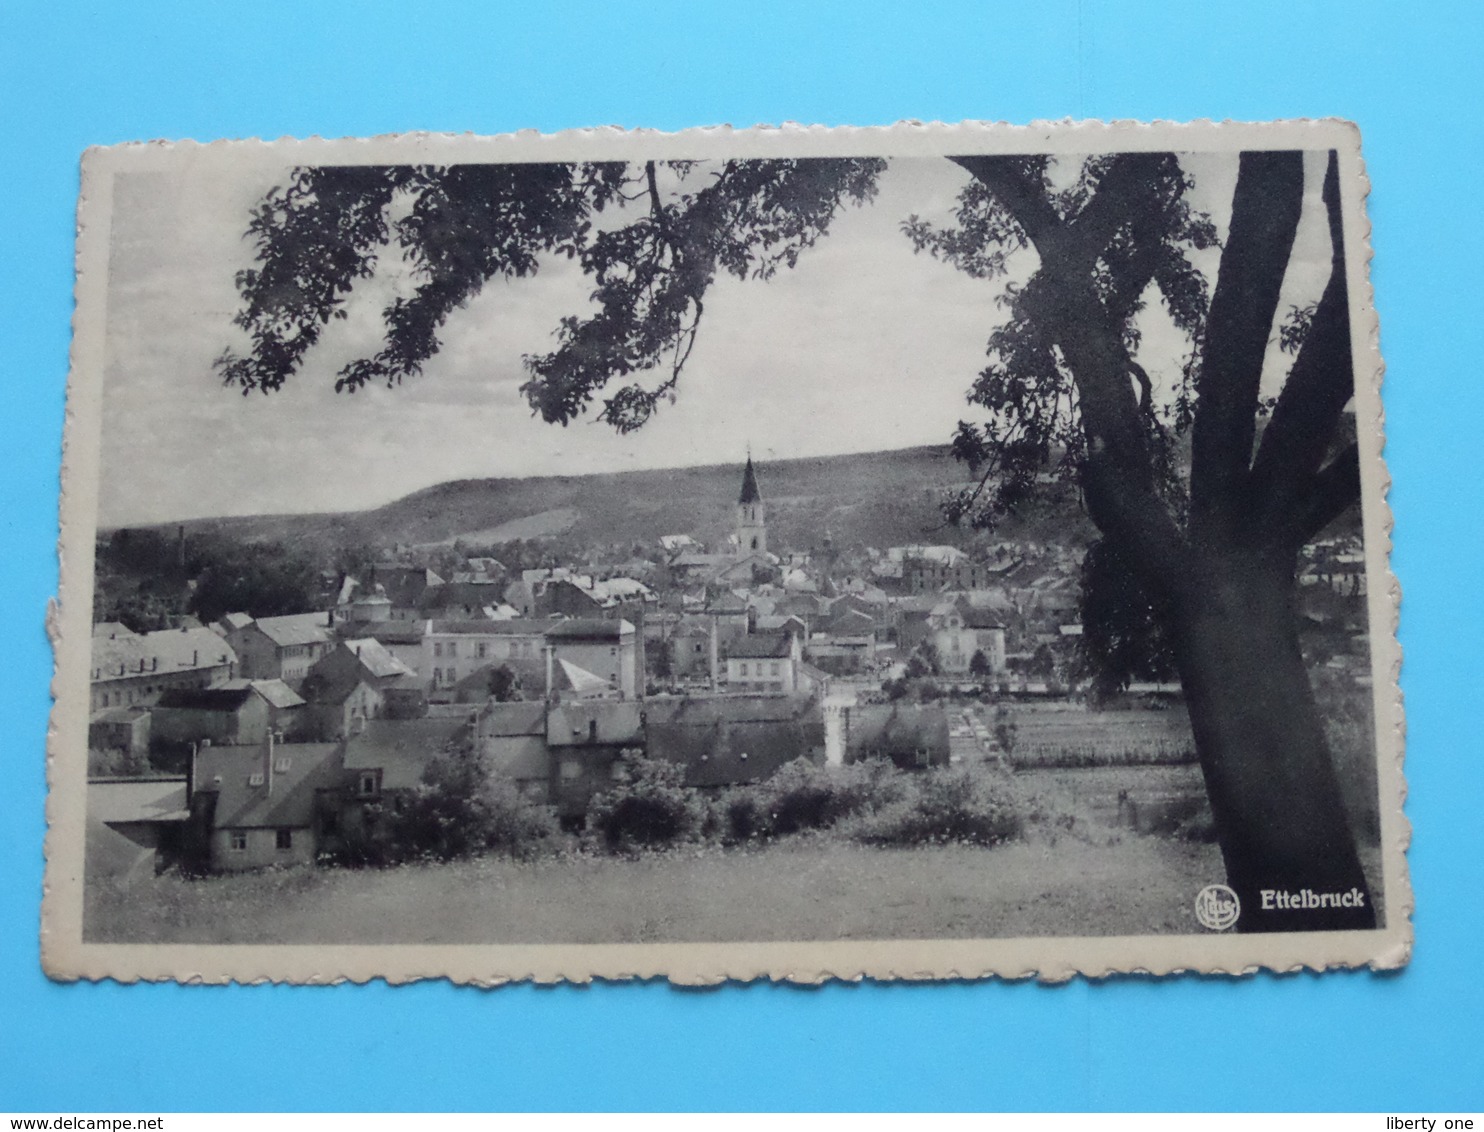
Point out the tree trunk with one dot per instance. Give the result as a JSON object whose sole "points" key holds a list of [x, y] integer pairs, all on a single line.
{"points": [[1281, 821]]}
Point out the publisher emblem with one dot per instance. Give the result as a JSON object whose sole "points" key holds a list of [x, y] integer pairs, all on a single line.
{"points": [[1217, 907]]}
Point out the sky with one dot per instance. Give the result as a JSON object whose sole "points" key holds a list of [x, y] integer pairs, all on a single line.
{"points": [[863, 346]]}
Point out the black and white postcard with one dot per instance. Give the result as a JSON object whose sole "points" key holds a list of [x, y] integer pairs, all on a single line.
{"points": [[913, 552]]}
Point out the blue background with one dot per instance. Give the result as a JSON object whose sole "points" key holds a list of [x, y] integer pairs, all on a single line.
{"points": [[75, 74]]}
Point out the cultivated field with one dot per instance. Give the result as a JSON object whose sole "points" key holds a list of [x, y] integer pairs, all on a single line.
{"points": [[1070, 735], [807, 889]]}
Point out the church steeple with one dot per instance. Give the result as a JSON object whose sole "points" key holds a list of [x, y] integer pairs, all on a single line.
{"points": [[750, 493], [752, 528]]}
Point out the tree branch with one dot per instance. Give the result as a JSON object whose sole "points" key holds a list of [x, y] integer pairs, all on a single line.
{"points": [[1319, 386], [1021, 193], [1265, 216], [1330, 491]]}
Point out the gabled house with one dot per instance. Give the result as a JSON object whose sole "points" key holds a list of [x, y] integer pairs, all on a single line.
{"points": [[734, 740], [135, 669], [764, 662], [512, 739], [281, 648], [387, 758], [268, 805], [586, 739], [235, 712], [606, 648]]}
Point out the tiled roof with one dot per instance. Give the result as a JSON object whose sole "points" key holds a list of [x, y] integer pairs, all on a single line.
{"points": [[276, 692], [290, 802], [402, 748], [218, 698], [618, 721], [587, 629], [516, 627], [296, 628], [520, 718], [166, 651], [728, 740], [375, 659], [761, 646]]}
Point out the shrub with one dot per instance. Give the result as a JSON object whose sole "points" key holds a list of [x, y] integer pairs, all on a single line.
{"points": [[944, 806], [649, 806], [804, 796], [743, 816], [458, 810]]}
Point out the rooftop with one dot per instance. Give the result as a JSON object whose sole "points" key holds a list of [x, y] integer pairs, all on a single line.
{"points": [[288, 799], [168, 650]]}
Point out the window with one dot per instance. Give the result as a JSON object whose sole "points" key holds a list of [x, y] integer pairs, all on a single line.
{"points": [[281, 764], [453, 675], [283, 839], [239, 840], [744, 668], [437, 676], [367, 785], [437, 648], [592, 730], [453, 648], [329, 822], [255, 778], [613, 651], [775, 668], [481, 650]]}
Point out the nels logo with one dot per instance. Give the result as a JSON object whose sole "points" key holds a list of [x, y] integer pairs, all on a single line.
{"points": [[1217, 907]]}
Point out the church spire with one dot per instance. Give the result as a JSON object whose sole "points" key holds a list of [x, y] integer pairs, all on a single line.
{"points": [[750, 493]]}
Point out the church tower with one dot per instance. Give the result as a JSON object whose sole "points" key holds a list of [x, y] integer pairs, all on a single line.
{"points": [[752, 527]]}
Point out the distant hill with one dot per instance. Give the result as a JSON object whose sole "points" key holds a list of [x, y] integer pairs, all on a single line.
{"points": [[868, 499]]}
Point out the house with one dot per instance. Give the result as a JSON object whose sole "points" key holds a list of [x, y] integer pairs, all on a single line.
{"points": [[586, 740], [135, 669], [678, 544], [403, 639], [583, 597], [726, 741], [912, 736], [235, 712], [268, 805], [135, 826], [388, 758], [512, 739], [844, 642], [405, 589], [461, 599], [281, 648], [607, 648], [452, 649], [363, 658], [765, 662]]}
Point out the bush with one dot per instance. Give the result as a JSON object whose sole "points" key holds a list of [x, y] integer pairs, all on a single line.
{"points": [[458, 810], [804, 796], [944, 806], [650, 806], [742, 816]]}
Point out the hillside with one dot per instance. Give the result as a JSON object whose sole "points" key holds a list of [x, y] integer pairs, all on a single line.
{"points": [[869, 499]]}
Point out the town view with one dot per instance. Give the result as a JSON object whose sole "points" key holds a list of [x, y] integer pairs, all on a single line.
{"points": [[311, 727]]}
